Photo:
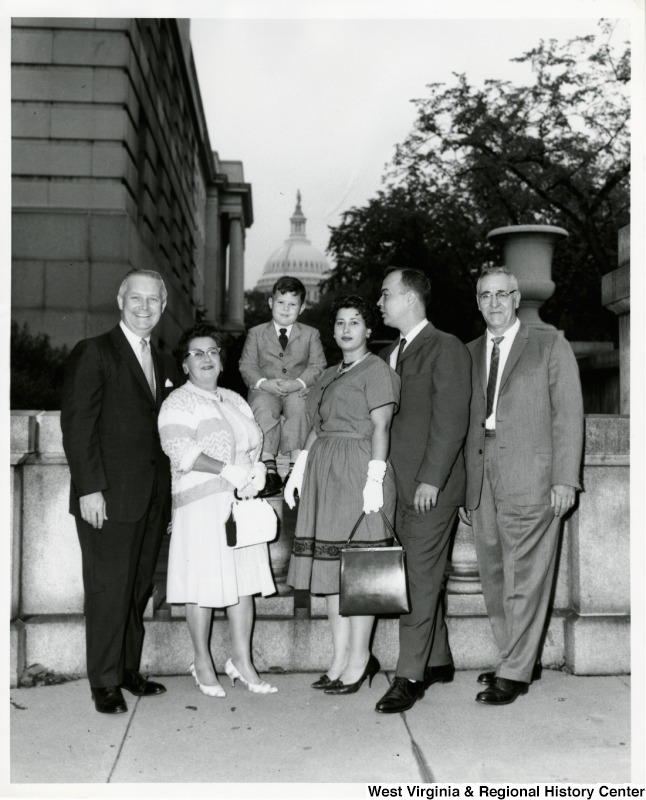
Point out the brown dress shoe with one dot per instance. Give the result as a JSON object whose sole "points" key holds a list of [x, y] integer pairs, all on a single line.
{"points": [[501, 692]]}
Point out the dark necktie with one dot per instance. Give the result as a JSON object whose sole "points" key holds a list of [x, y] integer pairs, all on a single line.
{"points": [[283, 338], [147, 364], [493, 374], [400, 353]]}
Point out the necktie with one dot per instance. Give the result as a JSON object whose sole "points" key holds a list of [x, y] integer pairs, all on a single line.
{"points": [[400, 353], [493, 374], [147, 364], [283, 338]]}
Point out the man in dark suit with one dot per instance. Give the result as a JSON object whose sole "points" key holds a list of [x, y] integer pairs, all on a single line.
{"points": [[523, 458], [427, 435], [120, 484]]}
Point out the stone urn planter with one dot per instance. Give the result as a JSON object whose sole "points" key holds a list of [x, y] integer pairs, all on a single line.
{"points": [[527, 252]]}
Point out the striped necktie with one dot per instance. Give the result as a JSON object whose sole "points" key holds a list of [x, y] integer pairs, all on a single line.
{"points": [[493, 374]]}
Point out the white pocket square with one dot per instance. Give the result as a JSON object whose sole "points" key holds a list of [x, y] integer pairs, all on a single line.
{"points": [[168, 383]]}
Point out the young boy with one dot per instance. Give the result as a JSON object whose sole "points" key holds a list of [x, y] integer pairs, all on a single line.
{"points": [[280, 360]]}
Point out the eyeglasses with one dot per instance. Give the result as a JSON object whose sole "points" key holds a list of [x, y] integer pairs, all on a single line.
{"points": [[212, 352], [486, 297]]}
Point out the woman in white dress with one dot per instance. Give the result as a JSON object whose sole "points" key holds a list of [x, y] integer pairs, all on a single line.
{"points": [[213, 444]]}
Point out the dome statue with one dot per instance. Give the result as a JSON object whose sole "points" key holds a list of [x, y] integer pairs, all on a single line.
{"points": [[297, 258]]}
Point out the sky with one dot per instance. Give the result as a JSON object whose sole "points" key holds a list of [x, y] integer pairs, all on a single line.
{"points": [[319, 104]]}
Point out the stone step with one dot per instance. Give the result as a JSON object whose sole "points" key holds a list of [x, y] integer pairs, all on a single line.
{"points": [[286, 639]]}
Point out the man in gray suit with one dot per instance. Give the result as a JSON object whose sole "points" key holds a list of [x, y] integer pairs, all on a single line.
{"points": [[523, 460]]}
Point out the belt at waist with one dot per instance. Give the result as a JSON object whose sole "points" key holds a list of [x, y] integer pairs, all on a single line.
{"points": [[490, 434], [348, 435]]}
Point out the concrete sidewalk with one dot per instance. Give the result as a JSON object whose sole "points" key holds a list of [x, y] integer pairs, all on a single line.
{"points": [[567, 729]]}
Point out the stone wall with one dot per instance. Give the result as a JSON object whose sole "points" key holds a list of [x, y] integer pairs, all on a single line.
{"points": [[112, 169], [588, 633]]}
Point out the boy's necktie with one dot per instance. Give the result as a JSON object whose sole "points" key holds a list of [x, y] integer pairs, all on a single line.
{"points": [[283, 338]]}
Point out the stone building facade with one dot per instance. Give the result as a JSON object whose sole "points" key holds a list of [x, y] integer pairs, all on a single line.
{"points": [[112, 169]]}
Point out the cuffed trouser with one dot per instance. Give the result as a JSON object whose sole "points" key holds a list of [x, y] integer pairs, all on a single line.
{"points": [[268, 409], [516, 548], [423, 635], [118, 568]]}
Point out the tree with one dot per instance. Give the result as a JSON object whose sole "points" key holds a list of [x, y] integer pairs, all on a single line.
{"points": [[37, 370], [553, 152]]}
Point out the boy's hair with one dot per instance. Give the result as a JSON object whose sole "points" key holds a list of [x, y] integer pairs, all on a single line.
{"points": [[289, 284]]}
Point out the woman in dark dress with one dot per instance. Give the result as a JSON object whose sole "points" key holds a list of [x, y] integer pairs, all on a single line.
{"points": [[342, 471]]}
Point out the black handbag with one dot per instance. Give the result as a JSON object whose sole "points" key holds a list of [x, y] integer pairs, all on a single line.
{"points": [[373, 579]]}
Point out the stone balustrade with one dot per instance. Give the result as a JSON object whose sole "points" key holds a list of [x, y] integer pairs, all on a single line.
{"points": [[588, 633]]}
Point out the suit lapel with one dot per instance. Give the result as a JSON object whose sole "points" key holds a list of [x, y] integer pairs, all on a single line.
{"points": [[480, 359], [295, 333], [423, 336], [159, 375], [520, 343], [127, 353]]}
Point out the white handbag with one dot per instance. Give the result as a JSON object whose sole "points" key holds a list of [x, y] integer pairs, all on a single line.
{"points": [[255, 522]]}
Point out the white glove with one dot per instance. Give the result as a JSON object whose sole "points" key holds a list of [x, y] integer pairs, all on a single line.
{"points": [[237, 476], [295, 482], [373, 491], [258, 476]]}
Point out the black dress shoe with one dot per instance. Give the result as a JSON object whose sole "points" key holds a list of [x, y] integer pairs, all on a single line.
{"points": [[136, 684], [487, 678], [273, 485], [501, 692], [109, 700], [443, 674], [372, 668], [324, 682], [402, 695]]}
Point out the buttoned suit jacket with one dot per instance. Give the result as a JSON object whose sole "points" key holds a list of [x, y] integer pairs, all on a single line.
{"points": [[109, 424], [428, 430], [539, 418], [263, 357]]}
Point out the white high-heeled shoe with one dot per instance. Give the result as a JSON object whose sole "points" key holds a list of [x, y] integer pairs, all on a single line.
{"points": [[259, 688], [211, 691]]}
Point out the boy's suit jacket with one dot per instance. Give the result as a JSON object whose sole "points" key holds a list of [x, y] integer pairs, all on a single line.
{"points": [[263, 357], [109, 423], [539, 418], [428, 430]]}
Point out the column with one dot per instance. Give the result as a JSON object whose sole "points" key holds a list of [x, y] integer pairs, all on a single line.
{"points": [[235, 300]]}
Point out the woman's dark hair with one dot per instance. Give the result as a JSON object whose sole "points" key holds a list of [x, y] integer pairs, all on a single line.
{"points": [[367, 309], [197, 331]]}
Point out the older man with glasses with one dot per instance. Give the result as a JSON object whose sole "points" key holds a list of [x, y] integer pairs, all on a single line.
{"points": [[523, 461]]}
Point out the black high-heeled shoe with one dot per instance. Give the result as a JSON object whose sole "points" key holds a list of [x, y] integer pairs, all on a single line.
{"points": [[372, 668], [325, 682]]}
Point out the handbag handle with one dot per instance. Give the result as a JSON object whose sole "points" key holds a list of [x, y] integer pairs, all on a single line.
{"points": [[386, 522]]}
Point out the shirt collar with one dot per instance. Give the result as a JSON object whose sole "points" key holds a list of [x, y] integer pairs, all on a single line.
{"points": [[288, 328], [413, 333], [135, 341], [509, 335]]}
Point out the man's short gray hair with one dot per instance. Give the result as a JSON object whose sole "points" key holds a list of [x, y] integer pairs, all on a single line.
{"points": [[147, 273], [496, 271]]}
